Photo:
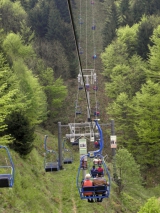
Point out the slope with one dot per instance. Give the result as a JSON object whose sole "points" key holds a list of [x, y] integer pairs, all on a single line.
{"points": [[35, 191]]}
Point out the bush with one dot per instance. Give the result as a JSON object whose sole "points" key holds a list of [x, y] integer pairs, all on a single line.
{"points": [[152, 206]]}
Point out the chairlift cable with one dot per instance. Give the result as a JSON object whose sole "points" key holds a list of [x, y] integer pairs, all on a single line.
{"points": [[93, 31], [86, 36], [76, 43]]}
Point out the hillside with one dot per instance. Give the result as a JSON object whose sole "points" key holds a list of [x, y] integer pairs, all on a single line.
{"points": [[39, 88], [35, 191]]}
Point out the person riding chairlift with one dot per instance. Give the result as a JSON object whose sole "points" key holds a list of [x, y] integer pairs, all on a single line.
{"points": [[96, 144]]}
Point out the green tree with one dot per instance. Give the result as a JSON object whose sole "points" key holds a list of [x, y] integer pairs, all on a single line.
{"points": [[21, 130], [55, 90], [31, 92], [12, 13], [144, 32], [128, 171], [8, 96], [124, 12], [154, 55], [109, 31], [151, 206], [147, 123]]}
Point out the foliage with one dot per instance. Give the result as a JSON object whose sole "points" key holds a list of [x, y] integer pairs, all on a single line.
{"points": [[109, 31], [151, 206], [121, 110], [128, 171], [8, 95], [55, 90], [22, 132], [37, 191], [12, 14], [146, 123], [155, 53], [29, 88]]}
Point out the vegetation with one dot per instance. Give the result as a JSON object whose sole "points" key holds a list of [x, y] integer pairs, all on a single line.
{"points": [[38, 62]]}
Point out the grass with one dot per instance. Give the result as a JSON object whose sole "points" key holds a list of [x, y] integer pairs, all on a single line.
{"points": [[36, 191]]}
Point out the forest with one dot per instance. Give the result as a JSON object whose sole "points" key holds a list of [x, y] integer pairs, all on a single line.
{"points": [[38, 78]]}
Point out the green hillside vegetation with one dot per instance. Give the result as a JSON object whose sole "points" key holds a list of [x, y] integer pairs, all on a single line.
{"points": [[37, 191], [38, 88]]}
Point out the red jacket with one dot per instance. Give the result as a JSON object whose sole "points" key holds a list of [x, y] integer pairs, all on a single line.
{"points": [[87, 183]]}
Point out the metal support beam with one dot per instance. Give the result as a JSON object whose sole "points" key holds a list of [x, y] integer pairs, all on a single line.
{"points": [[113, 133], [114, 153], [60, 145]]}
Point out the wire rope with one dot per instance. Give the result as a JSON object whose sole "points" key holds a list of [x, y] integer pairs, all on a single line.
{"points": [[93, 32], [76, 44], [86, 35]]}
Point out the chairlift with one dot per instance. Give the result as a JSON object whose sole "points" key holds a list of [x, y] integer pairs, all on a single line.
{"points": [[78, 110], [93, 27], [97, 191], [87, 87], [81, 21], [96, 113], [51, 162], [80, 87], [6, 170], [94, 56], [96, 144], [80, 50], [103, 191], [95, 87], [66, 154]]}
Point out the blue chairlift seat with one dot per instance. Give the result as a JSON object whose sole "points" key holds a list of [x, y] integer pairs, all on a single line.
{"points": [[80, 21], [93, 27], [80, 51], [97, 192], [5, 180], [95, 87], [7, 177], [78, 110], [51, 166], [75, 143], [96, 113], [80, 87], [67, 158], [94, 56], [67, 161], [51, 162], [87, 86]]}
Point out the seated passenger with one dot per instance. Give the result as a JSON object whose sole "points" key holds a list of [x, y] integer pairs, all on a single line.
{"points": [[95, 161], [99, 161], [94, 172], [96, 144], [87, 183], [99, 181], [84, 164], [100, 169]]}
